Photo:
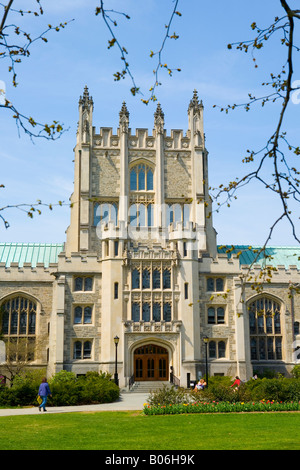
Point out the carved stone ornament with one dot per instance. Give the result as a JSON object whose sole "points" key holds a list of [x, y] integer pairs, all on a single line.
{"points": [[159, 121], [124, 119]]}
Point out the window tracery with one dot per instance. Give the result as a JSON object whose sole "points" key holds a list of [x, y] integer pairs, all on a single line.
{"points": [[265, 329]]}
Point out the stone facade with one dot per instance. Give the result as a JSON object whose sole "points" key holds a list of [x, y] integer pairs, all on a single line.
{"points": [[141, 263]]}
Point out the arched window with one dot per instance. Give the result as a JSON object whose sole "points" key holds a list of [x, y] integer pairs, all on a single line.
{"points": [[265, 329], [156, 279], [156, 312], [82, 350], [221, 349], [146, 279], [167, 279], [215, 284], [18, 327], [141, 215], [216, 315], [212, 350], [19, 316], [135, 312], [217, 349], [82, 315], [141, 178], [135, 279], [105, 212], [167, 312], [146, 312]]}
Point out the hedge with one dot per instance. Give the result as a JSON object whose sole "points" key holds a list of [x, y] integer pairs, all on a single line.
{"points": [[220, 407], [66, 390], [281, 394]]}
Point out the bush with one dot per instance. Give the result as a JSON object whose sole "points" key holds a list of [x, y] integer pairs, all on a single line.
{"points": [[167, 396], [66, 390], [296, 372], [219, 390], [98, 388]]}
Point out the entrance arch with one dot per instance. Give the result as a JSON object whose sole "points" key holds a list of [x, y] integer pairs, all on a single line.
{"points": [[151, 362]]}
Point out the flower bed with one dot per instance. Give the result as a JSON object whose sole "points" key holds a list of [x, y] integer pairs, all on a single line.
{"points": [[221, 407]]}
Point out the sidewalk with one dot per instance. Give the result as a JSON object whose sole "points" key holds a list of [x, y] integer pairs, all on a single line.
{"points": [[126, 402]]}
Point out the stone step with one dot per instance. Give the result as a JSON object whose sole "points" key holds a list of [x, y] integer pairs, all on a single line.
{"points": [[147, 387]]}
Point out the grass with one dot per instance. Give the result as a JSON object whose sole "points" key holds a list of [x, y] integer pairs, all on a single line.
{"points": [[134, 431]]}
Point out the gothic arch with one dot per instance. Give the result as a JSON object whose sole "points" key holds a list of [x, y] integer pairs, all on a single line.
{"points": [[141, 161], [20, 293], [265, 314], [151, 340]]}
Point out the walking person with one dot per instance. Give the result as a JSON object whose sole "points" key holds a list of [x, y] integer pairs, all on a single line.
{"points": [[44, 392]]}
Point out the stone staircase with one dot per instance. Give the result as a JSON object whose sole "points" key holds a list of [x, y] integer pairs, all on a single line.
{"points": [[147, 387]]}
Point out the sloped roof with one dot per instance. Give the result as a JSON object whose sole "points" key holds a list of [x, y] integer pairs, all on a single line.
{"points": [[32, 253], [273, 255], [47, 253]]}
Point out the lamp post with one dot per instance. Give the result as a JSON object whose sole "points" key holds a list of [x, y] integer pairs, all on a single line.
{"points": [[206, 340], [116, 341]]}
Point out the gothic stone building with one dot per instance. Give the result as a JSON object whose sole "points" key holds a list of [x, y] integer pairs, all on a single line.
{"points": [[141, 263]]}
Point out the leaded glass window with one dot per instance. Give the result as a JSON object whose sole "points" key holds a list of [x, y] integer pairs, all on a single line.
{"points": [[135, 312], [167, 311], [146, 312], [135, 279], [19, 316], [156, 312], [156, 279], [146, 279], [141, 178], [167, 279]]}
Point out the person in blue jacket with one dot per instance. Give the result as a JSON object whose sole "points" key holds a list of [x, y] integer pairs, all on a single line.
{"points": [[44, 392]]}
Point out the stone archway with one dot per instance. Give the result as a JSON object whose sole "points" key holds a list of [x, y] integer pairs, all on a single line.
{"points": [[151, 363]]}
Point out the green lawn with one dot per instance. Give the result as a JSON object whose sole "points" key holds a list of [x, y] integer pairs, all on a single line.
{"points": [[133, 431]]}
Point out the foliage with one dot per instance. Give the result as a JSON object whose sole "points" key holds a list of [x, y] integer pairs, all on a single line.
{"points": [[167, 396], [221, 407], [296, 372], [262, 394], [66, 390]]}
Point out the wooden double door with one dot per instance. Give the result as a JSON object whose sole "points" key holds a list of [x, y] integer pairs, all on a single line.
{"points": [[151, 362]]}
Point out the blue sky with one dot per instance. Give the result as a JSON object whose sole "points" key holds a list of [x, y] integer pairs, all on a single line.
{"points": [[53, 77]]}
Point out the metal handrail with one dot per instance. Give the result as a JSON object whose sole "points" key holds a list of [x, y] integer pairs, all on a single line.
{"points": [[131, 381]]}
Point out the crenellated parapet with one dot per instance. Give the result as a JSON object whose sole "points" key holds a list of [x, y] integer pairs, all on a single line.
{"points": [[27, 272]]}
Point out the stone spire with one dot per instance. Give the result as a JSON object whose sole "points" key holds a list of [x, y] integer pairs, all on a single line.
{"points": [[159, 119], [86, 100], [194, 103], [124, 118]]}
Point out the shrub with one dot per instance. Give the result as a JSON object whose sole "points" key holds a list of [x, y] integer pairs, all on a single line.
{"points": [[296, 372], [98, 388], [66, 390], [167, 396]]}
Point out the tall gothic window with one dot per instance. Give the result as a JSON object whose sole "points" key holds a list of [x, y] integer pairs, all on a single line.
{"points": [[135, 279], [167, 279], [146, 311], [146, 279], [141, 178], [141, 215], [167, 311], [178, 213], [105, 212], [265, 329], [19, 328], [156, 312], [19, 316], [156, 279]]}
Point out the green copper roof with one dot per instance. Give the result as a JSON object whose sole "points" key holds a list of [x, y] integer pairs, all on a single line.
{"points": [[276, 255], [32, 253], [47, 253]]}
